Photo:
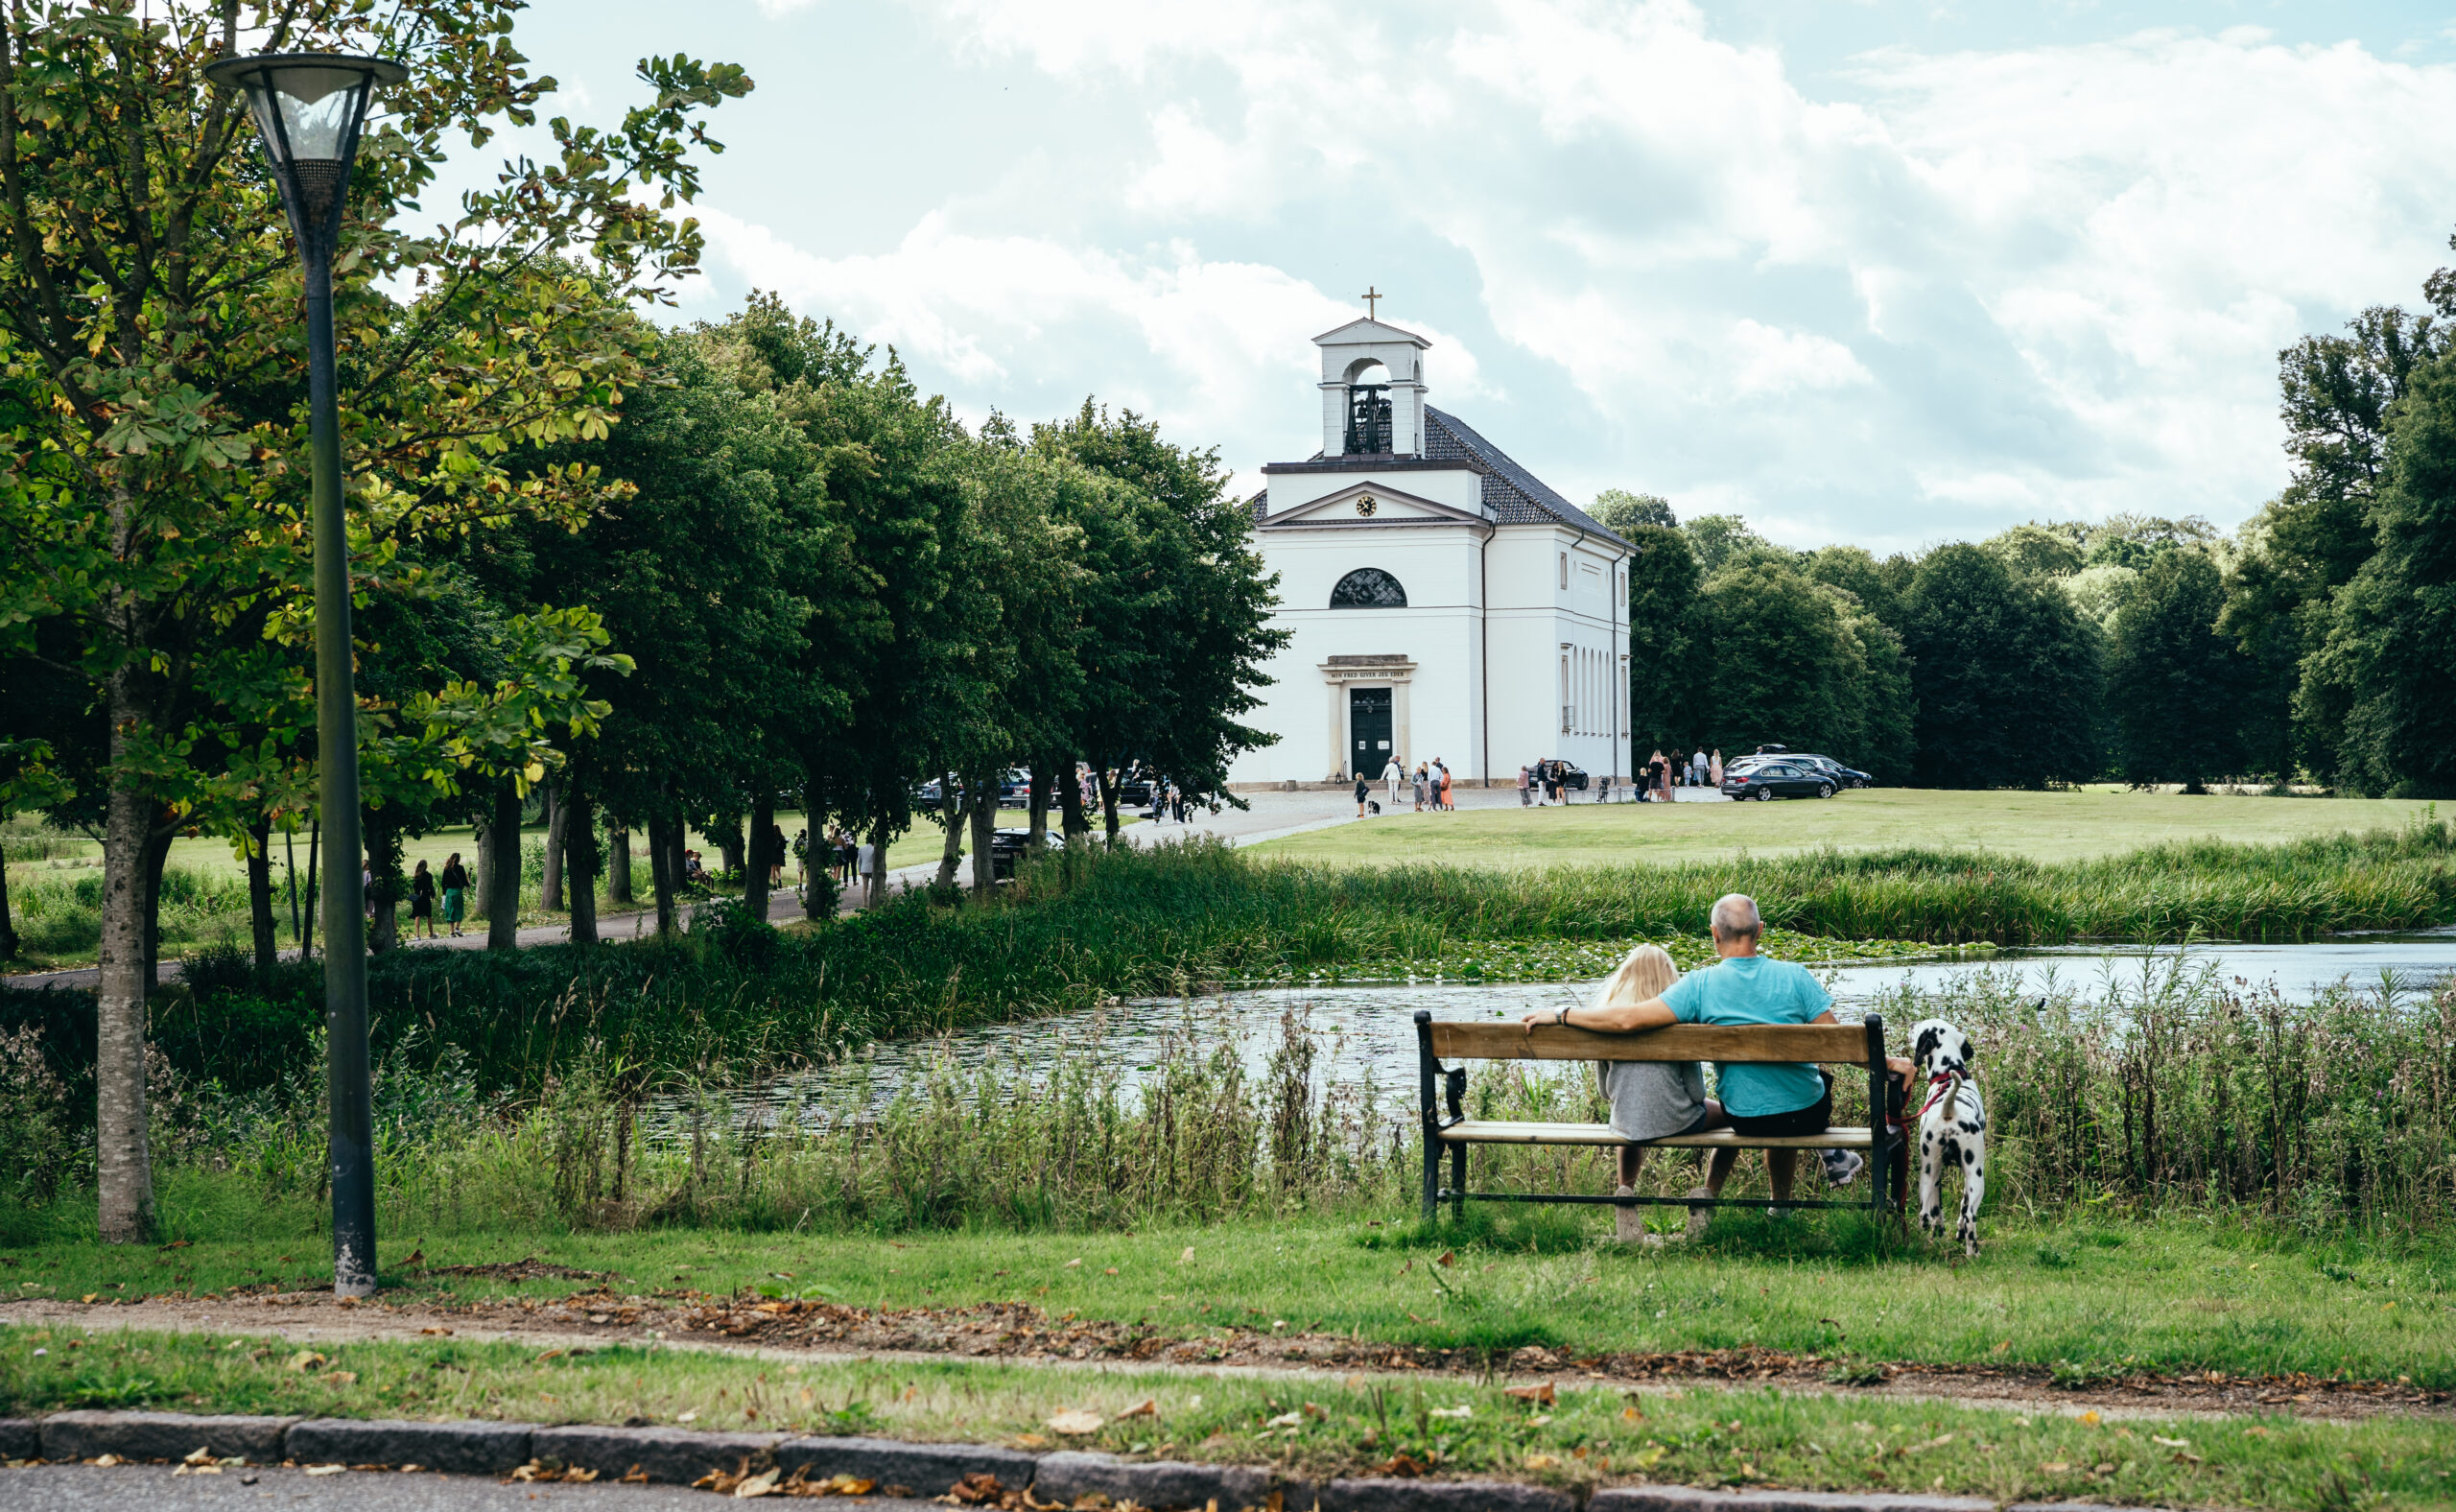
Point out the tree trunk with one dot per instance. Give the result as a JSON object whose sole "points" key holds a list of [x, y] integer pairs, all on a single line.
{"points": [[754, 878], [816, 863], [617, 863], [157, 853], [1036, 815], [984, 832], [7, 925], [1109, 784], [502, 892], [384, 880], [951, 813], [260, 920], [549, 886], [877, 888], [1071, 818], [290, 875], [314, 843], [580, 855], [727, 831], [661, 873], [123, 1165], [481, 868]]}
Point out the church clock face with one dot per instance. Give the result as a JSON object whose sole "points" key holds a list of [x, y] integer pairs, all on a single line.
{"points": [[1365, 505]]}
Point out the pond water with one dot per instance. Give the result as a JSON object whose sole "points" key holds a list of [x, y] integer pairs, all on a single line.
{"points": [[1368, 1031]]}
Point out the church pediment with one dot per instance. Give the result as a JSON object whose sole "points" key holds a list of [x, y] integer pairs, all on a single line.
{"points": [[1366, 331], [1366, 505]]}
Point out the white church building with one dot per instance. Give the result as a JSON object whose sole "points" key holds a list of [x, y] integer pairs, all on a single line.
{"points": [[1443, 602]]}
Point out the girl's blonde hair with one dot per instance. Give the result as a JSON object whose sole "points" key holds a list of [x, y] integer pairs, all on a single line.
{"points": [[1647, 972]]}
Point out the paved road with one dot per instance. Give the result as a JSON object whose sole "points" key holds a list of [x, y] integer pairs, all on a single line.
{"points": [[117, 1488], [1268, 815]]}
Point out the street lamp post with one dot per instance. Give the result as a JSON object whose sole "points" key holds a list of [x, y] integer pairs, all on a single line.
{"points": [[308, 108]]}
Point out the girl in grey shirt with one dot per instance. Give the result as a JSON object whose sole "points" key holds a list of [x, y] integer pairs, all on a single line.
{"points": [[1650, 1098]]}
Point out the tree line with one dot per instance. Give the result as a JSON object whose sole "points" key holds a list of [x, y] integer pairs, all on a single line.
{"points": [[662, 577], [2317, 644]]}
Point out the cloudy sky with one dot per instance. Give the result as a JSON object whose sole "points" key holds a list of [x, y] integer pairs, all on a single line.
{"points": [[1882, 272]]}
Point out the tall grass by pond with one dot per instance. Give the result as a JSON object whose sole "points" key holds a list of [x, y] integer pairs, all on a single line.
{"points": [[737, 999], [2170, 1094]]}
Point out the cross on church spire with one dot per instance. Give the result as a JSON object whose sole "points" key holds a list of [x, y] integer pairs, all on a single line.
{"points": [[1369, 295]]}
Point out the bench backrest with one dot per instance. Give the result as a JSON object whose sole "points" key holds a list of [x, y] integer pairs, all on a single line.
{"points": [[1844, 1044]]}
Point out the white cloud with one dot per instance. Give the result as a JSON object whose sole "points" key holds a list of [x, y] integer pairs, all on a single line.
{"points": [[1949, 291]]}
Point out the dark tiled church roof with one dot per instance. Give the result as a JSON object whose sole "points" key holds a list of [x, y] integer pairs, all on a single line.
{"points": [[1514, 495]]}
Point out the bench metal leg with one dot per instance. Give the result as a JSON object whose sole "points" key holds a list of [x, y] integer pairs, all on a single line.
{"points": [[1432, 1174], [1459, 1181]]}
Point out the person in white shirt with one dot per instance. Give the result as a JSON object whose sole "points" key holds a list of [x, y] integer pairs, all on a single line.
{"points": [[1391, 776]]}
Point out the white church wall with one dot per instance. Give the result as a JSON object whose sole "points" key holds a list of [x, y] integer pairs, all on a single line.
{"points": [[1459, 487]]}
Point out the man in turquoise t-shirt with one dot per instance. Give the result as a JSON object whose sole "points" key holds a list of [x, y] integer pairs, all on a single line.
{"points": [[1764, 1101]]}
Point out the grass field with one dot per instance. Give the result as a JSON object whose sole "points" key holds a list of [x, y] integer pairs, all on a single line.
{"points": [[2040, 826], [2097, 1296], [1319, 1428]]}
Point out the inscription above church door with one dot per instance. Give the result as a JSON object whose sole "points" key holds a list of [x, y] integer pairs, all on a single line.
{"points": [[1368, 723]]}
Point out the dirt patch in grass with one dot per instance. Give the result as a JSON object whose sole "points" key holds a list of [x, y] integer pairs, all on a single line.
{"points": [[531, 1269], [1021, 1333]]}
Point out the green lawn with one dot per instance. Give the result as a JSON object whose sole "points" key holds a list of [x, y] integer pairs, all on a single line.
{"points": [[2097, 1297], [2041, 826], [1317, 1427]]}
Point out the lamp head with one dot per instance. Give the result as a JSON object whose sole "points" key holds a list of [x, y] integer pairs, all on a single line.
{"points": [[309, 107]]}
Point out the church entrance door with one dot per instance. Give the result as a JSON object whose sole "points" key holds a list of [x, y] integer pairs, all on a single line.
{"points": [[1368, 723]]}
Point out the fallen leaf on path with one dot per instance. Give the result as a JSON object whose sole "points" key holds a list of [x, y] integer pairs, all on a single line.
{"points": [[326, 1469], [1076, 1421], [1541, 1391], [758, 1485], [1292, 1419], [1148, 1406]]}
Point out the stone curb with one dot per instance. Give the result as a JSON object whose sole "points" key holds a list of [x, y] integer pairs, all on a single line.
{"points": [[1070, 1474], [677, 1456], [929, 1470], [681, 1456], [1685, 1499], [460, 1449], [163, 1435], [1376, 1495]]}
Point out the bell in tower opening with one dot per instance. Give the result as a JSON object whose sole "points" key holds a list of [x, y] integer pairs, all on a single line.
{"points": [[1368, 419]]}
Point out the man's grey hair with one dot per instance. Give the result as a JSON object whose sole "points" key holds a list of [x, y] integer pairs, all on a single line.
{"points": [[1735, 914]]}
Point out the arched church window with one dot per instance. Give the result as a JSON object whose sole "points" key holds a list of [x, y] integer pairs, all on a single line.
{"points": [[1368, 588]]}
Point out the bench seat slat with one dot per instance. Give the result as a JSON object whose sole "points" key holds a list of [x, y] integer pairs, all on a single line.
{"points": [[1495, 1132], [1502, 1040]]}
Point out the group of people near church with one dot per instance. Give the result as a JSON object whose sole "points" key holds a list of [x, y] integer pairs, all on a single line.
{"points": [[1681, 769], [1430, 784]]}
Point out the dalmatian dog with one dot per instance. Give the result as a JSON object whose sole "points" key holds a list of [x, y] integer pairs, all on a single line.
{"points": [[1953, 1128]]}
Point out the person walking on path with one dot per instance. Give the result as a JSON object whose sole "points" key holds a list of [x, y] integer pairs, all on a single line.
{"points": [[1392, 774], [1697, 767], [1714, 770], [423, 900], [1525, 794], [1362, 788], [1420, 781], [456, 892], [1446, 801]]}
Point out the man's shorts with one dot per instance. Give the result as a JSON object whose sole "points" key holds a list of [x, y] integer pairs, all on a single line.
{"points": [[1810, 1120]]}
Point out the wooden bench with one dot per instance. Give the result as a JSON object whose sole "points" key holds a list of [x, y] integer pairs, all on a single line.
{"points": [[1860, 1044]]}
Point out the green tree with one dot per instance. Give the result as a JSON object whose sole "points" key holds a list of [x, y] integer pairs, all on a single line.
{"points": [[2175, 683], [2388, 658], [1783, 666], [148, 296], [2006, 675], [1718, 540], [2039, 551], [1877, 585], [1670, 694], [1622, 512]]}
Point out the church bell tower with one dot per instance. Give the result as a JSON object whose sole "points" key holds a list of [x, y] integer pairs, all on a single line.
{"points": [[1372, 391]]}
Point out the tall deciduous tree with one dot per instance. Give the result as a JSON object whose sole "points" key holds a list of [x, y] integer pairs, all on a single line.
{"points": [[2389, 659], [1670, 691], [2175, 683], [148, 298], [2006, 675]]}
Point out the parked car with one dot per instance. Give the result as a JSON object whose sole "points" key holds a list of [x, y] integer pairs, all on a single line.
{"points": [[1843, 776], [1568, 773], [1778, 777], [1007, 849], [1015, 787]]}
